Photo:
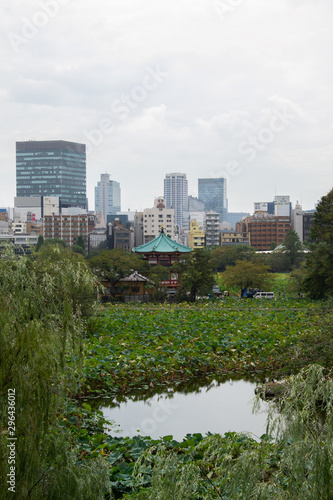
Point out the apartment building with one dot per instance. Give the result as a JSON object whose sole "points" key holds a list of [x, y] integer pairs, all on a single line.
{"points": [[230, 237], [67, 228], [156, 218], [196, 235], [265, 229]]}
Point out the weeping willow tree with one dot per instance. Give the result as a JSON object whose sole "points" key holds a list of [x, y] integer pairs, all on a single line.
{"points": [[40, 330], [296, 464]]}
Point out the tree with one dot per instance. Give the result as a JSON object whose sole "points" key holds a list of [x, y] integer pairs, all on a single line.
{"points": [[54, 259], [287, 257], [293, 248], [226, 255], [40, 242], [156, 275], [245, 275], [103, 245], [196, 273], [112, 265], [318, 281], [322, 230], [78, 249], [80, 242], [297, 276], [41, 329], [277, 261]]}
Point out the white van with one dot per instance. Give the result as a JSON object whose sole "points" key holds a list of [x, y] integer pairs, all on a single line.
{"points": [[264, 295]]}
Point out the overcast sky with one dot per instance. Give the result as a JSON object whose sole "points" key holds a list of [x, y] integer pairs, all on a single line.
{"points": [[240, 89]]}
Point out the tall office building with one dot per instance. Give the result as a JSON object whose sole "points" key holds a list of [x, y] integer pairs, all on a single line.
{"points": [[52, 168], [176, 195], [107, 196], [213, 192], [158, 218]]}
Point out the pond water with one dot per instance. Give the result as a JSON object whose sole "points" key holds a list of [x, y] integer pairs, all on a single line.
{"points": [[216, 408]]}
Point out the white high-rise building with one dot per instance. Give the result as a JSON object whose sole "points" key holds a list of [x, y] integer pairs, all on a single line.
{"points": [[176, 195], [107, 196], [282, 206], [212, 229], [297, 220], [158, 218]]}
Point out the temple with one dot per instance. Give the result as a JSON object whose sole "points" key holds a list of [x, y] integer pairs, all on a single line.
{"points": [[163, 251]]}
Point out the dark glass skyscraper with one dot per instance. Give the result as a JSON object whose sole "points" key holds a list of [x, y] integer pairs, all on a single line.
{"points": [[213, 192], [52, 168]]}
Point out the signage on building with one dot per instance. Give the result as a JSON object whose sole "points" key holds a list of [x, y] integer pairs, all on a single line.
{"points": [[260, 207]]}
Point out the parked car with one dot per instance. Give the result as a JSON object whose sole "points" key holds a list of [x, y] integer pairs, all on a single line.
{"points": [[249, 293], [264, 295]]}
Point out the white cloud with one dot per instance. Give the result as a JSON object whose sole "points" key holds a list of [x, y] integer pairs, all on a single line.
{"points": [[226, 75]]}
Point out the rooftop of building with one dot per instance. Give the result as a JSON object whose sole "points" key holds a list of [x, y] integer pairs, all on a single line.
{"points": [[50, 145], [135, 276], [162, 244]]}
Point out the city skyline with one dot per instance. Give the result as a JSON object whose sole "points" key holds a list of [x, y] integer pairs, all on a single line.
{"points": [[264, 199], [213, 89]]}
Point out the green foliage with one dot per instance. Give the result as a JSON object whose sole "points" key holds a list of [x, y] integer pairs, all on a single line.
{"points": [[196, 273], [293, 249], [224, 256], [322, 230], [278, 261], [40, 242], [147, 347], [72, 276], [296, 282], [296, 464], [40, 328], [62, 449], [318, 280], [319, 265], [80, 241], [78, 249], [55, 241], [288, 257], [156, 275], [246, 274], [112, 265], [103, 245]]}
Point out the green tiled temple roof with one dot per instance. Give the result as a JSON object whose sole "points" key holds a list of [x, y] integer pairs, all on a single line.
{"points": [[162, 244]]}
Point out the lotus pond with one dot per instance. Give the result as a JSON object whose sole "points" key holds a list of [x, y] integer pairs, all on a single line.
{"points": [[154, 351], [145, 348]]}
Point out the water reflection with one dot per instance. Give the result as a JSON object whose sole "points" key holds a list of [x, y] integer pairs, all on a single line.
{"points": [[215, 408]]}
